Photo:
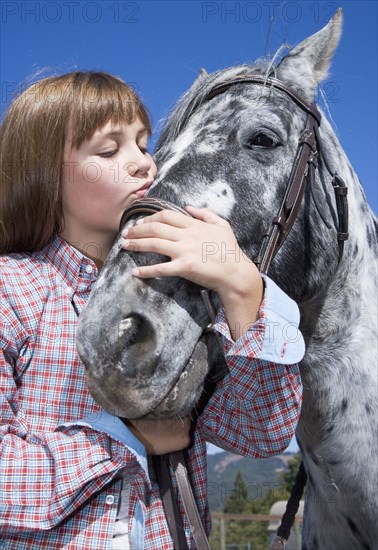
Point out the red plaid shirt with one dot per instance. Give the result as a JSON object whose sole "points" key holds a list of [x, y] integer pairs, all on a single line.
{"points": [[61, 469]]}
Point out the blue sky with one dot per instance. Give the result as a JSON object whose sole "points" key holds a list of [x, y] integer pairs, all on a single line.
{"points": [[160, 46]]}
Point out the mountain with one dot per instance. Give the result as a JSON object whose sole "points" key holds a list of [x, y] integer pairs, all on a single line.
{"points": [[261, 475]]}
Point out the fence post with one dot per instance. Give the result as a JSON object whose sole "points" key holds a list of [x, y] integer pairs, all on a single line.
{"points": [[222, 534]]}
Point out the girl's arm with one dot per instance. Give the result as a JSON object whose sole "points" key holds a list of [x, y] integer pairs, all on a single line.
{"points": [[47, 473], [255, 408]]}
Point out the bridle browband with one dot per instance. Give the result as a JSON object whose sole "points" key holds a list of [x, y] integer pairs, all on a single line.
{"points": [[267, 82], [302, 173]]}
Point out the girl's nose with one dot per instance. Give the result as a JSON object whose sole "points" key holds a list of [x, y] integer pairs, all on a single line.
{"points": [[141, 165], [144, 166]]}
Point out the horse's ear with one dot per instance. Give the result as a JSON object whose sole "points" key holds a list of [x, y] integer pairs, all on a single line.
{"points": [[202, 74], [307, 64]]}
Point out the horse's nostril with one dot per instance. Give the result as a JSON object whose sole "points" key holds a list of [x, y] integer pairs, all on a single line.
{"points": [[136, 345], [128, 328], [134, 329]]}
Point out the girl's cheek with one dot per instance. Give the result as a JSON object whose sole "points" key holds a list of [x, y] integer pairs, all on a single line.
{"points": [[92, 172]]}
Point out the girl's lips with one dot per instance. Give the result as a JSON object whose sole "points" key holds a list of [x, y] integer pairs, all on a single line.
{"points": [[143, 190]]}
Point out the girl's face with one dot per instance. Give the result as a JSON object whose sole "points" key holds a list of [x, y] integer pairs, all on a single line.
{"points": [[100, 179]]}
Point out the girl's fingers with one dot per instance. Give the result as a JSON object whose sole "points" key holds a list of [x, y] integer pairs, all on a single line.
{"points": [[166, 269], [180, 238], [206, 215], [170, 217], [164, 224], [159, 246], [151, 229]]}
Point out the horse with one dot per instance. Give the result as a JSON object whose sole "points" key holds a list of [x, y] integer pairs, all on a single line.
{"points": [[230, 144]]}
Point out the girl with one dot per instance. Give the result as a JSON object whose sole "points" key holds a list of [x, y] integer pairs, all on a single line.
{"points": [[72, 475]]}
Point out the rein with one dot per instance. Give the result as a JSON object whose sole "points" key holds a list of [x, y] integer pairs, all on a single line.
{"points": [[217, 370], [302, 174]]}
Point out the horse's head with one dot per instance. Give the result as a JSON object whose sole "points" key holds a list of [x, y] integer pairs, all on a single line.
{"points": [[232, 152]]}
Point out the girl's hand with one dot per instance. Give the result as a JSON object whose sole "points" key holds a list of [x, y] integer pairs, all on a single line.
{"points": [[162, 436], [203, 249]]}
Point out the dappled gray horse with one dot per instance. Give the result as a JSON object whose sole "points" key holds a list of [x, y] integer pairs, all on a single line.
{"points": [[233, 150]]}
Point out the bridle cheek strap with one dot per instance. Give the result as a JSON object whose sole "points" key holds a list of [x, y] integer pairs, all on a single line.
{"points": [[302, 171], [305, 162]]}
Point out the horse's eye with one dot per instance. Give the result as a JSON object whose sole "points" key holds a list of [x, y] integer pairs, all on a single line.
{"points": [[262, 140]]}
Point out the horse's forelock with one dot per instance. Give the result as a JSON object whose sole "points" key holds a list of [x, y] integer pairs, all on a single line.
{"points": [[196, 96]]}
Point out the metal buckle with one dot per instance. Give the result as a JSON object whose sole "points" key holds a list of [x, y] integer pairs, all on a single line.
{"points": [[209, 305]]}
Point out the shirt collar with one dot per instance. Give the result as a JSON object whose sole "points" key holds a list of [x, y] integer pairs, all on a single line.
{"points": [[69, 262]]}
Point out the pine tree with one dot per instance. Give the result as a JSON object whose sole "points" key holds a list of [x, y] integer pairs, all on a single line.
{"points": [[254, 532], [243, 532], [236, 503]]}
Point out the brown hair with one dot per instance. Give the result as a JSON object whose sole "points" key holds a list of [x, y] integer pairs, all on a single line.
{"points": [[32, 139]]}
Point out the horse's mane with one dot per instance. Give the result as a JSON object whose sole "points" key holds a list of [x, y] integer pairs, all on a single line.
{"points": [[198, 92]]}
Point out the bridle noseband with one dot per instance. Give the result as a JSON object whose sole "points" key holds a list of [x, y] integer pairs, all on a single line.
{"points": [[148, 206]]}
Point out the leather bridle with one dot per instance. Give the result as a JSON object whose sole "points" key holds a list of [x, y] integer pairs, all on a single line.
{"points": [[302, 174]]}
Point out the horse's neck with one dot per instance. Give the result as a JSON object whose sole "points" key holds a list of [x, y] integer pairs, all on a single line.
{"points": [[348, 301], [343, 315]]}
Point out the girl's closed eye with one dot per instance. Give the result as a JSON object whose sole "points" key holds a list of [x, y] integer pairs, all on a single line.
{"points": [[143, 148], [108, 154]]}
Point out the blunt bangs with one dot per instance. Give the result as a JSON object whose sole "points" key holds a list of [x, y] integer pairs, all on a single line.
{"points": [[98, 98]]}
